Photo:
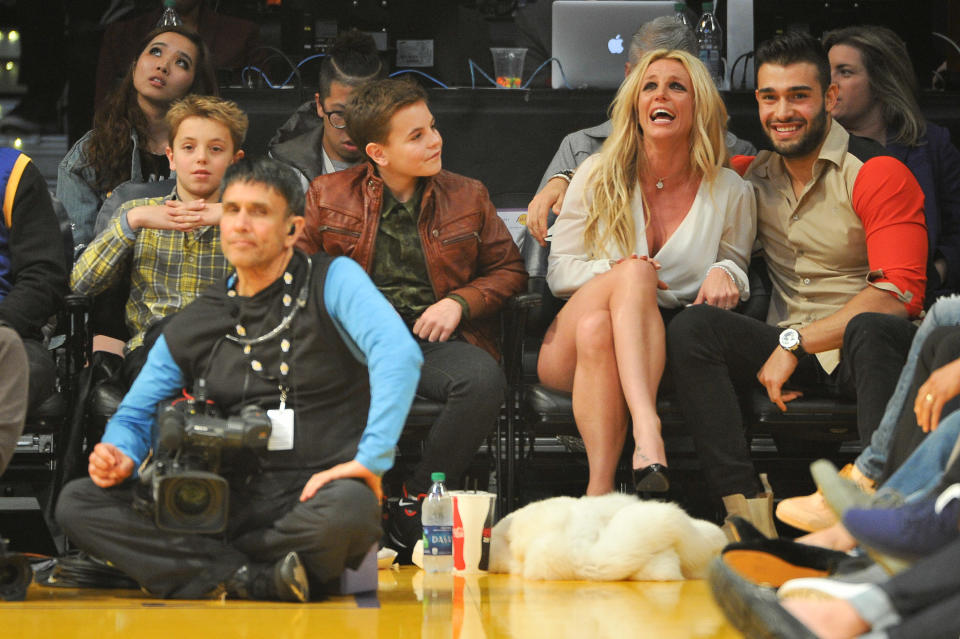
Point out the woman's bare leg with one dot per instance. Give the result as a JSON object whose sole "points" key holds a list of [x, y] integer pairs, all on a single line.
{"points": [[607, 347], [641, 354]]}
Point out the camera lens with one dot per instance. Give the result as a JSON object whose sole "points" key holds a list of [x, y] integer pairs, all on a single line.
{"points": [[192, 497]]}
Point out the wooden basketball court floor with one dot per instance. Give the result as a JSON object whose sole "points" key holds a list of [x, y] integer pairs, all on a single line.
{"points": [[474, 607]]}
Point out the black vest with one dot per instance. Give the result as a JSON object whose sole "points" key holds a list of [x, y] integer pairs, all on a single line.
{"points": [[329, 388]]}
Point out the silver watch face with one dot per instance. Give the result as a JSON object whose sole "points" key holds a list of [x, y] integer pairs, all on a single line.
{"points": [[790, 339]]}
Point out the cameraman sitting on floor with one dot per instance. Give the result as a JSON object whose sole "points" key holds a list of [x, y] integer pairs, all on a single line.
{"points": [[308, 338]]}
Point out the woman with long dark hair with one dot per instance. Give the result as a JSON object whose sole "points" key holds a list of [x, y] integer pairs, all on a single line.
{"points": [[129, 135]]}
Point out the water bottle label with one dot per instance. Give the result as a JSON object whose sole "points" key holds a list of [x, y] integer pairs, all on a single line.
{"points": [[438, 540]]}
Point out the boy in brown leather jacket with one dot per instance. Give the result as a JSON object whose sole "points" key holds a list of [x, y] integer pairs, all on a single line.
{"points": [[434, 246]]}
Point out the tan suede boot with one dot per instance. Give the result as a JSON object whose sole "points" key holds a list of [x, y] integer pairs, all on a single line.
{"points": [[757, 510], [811, 512]]}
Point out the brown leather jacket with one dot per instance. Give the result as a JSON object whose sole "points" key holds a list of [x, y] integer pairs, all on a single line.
{"points": [[467, 247]]}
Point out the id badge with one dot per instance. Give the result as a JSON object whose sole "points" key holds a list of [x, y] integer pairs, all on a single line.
{"points": [[281, 437]]}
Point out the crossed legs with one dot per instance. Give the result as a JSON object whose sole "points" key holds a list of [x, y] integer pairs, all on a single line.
{"points": [[607, 347]]}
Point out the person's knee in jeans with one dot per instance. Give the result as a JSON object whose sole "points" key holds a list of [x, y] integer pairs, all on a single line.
{"points": [[484, 381]]}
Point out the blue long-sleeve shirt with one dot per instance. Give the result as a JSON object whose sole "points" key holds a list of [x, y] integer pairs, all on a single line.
{"points": [[364, 318]]}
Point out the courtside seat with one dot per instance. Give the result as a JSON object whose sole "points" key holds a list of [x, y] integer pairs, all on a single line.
{"points": [[811, 426]]}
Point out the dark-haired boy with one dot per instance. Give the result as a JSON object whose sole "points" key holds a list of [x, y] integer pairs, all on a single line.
{"points": [[169, 245], [314, 140], [434, 246], [842, 231]]}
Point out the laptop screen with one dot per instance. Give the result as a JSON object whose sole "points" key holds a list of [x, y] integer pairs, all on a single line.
{"points": [[591, 39]]}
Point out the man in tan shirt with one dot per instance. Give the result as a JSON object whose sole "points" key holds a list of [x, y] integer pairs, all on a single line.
{"points": [[842, 232]]}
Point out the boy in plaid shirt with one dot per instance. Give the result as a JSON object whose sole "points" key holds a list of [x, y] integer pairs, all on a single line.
{"points": [[169, 246]]}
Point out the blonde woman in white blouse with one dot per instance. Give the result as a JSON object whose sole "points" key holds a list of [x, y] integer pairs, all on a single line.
{"points": [[650, 224]]}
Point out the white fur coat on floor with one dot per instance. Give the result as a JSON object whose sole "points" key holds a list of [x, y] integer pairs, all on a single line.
{"points": [[609, 538]]}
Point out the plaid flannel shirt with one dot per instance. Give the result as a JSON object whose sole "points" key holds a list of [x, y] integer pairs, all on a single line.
{"points": [[167, 269]]}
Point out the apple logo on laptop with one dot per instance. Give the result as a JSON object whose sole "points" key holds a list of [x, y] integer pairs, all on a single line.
{"points": [[615, 45]]}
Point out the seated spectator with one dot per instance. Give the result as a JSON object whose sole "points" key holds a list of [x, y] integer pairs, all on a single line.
{"points": [[33, 281], [130, 133], [655, 203], [877, 100], [842, 232], [660, 33], [308, 143], [433, 244], [169, 246], [232, 42], [309, 338]]}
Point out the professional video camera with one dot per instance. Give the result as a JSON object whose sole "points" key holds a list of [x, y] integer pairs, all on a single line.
{"points": [[15, 575], [187, 493]]}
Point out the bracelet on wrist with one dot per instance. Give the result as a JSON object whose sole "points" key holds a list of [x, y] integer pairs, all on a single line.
{"points": [[730, 275]]}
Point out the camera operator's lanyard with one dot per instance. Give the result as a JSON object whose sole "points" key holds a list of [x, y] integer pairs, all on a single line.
{"points": [[282, 438]]}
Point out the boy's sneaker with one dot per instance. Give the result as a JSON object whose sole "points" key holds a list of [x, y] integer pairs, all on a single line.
{"points": [[402, 528]]}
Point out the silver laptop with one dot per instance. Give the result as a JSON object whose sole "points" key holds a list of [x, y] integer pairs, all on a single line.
{"points": [[591, 38]]}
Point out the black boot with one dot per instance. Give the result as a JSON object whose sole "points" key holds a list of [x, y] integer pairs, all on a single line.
{"points": [[285, 580]]}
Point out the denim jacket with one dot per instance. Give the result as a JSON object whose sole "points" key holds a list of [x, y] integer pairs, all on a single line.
{"points": [[76, 188]]}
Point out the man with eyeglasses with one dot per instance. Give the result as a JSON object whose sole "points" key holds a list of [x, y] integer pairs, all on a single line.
{"points": [[314, 141]]}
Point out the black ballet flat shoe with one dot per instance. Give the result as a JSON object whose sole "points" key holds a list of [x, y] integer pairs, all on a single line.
{"points": [[652, 479]]}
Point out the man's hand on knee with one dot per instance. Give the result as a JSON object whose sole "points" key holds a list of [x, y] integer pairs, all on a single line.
{"points": [[775, 372], [342, 471], [108, 465]]}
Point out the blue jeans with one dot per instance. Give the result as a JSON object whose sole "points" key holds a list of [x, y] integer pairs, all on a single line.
{"points": [[945, 312], [921, 473]]}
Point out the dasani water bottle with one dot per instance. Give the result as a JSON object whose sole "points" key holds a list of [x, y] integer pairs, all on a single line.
{"points": [[436, 515]]}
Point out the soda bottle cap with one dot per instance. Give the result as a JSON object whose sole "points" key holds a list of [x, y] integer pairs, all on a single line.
{"points": [[438, 477]]}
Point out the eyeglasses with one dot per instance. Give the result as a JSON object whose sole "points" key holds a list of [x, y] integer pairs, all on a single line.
{"points": [[336, 118]]}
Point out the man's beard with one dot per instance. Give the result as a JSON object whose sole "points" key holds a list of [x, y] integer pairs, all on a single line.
{"points": [[813, 138]]}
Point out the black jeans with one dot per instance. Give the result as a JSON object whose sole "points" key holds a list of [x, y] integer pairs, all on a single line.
{"points": [[927, 596], [335, 528], [715, 355], [941, 347], [471, 385]]}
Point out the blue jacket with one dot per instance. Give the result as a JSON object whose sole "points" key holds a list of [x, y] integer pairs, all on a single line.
{"points": [[77, 190], [935, 162]]}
